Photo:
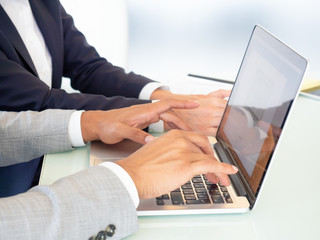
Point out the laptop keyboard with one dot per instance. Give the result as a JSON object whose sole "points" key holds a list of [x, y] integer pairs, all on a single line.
{"points": [[199, 190]]}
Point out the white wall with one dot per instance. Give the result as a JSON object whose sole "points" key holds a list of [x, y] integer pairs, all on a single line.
{"points": [[207, 37], [210, 36], [105, 25]]}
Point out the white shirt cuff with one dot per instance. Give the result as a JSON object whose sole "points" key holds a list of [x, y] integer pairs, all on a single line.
{"points": [[156, 127], [125, 179], [74, 129], [149, 88]]}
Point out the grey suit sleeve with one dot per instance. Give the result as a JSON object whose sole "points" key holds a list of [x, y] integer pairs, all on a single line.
{"points": [[28, 135], [75, 207]]}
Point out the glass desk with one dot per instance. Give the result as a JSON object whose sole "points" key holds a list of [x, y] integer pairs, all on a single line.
{"points": [[289, 204]]}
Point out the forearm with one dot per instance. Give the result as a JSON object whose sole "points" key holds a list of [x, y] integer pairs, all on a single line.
{"points": [[164, 93], [90, 123], [76, 207], [161, 94], [28, 135]]}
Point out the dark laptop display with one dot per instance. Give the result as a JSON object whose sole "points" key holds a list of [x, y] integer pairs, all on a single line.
{"points": [[267, 83]]}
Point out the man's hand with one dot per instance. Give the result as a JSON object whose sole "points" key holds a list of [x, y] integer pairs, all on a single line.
{"points": [[167, 162], [206, 118], [115, 125]]}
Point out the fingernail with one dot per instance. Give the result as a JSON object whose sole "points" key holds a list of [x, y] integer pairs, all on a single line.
{"points": [[148, 138], [235, 168]]}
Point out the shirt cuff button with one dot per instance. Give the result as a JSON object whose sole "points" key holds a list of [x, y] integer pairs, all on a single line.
{"points": [[110, 230]]}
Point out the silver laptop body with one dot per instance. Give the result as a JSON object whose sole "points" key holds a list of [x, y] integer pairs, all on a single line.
{"points": [[265, 89]]}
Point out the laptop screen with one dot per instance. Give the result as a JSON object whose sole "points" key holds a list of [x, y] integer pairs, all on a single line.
{"points": [[267, 83]]}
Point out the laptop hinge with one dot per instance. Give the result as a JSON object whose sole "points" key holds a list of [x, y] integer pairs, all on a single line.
{"points": [[237, 180]]}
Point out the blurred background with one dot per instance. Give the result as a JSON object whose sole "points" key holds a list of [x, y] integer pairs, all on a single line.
{"points": [[166, 38]]}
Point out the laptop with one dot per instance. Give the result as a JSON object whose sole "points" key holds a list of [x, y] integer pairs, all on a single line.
{"points": [[263, 94]]}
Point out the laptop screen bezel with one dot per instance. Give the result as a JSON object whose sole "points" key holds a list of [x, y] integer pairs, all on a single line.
{"points": [[239, 179]]}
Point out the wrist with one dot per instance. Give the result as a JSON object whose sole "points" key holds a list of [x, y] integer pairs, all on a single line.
{"points": [[125, 178], [160, 94], [89, 126], [130, 170]]}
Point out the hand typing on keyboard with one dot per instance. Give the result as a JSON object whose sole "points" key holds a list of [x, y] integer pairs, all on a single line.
{"points": [[166, 163], [199, 190]]}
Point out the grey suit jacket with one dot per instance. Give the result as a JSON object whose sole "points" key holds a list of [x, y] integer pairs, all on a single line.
{"points": [[76, 207], [28, 135]]}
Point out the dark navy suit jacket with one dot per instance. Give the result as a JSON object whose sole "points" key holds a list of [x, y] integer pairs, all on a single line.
{"points": [[102, 85]]}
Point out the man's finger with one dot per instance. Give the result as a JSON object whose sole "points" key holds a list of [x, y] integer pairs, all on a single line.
{"points": [[220, 93], [219, 102], [211, 131], [200, 141], [134, 134], [165, 105], [174, 121], [212, 177], [207, 164]]}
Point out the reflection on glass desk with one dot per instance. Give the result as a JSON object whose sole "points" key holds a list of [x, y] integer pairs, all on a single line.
{"points": [[289, 204]]}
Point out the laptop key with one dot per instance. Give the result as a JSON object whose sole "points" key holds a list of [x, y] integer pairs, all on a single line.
{"points": [[198, 185], [223, 189], [197, 180], [203, 196], [160, 202], [201, 190], [199, 201], [197, 176], [212, 186], [226, 195], [217, 199], [190, 197], [186, 186], [187, 191], [176, 198], [165, 196], [177, 190], [214, 192]]}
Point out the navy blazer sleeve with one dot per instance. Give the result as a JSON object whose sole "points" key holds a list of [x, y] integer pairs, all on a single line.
{"points": [[103, 85]]}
